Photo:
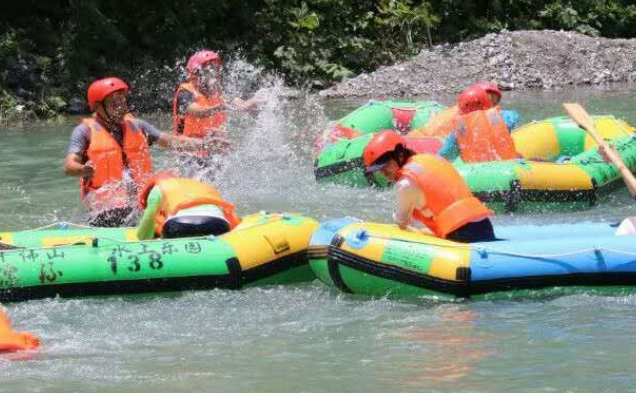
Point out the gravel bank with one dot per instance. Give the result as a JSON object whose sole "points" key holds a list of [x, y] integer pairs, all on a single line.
{"points": [[519, 60]]}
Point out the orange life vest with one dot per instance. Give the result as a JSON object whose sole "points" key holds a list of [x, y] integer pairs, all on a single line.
{"points": [[110, 160], [14, 340], [441, 124], [183, 193], [483, 136], [449, 203], [199, 127]]}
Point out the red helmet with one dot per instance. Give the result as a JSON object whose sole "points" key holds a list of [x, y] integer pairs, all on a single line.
{"points": [[152, 181], [489, 87], [473, 99], [383, 142], [200, 58], [101, 88]]}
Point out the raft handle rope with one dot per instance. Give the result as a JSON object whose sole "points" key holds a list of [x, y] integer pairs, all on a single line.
{"points": [[483, 250], [94, 240], [61, 226]]}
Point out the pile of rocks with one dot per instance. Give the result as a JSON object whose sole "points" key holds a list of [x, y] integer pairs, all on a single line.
{"points": [[518, 60]]}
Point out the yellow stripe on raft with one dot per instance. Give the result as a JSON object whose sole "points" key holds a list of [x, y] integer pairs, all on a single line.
{"points": [[537, 141], [131, 235], [259, 240], [6, 238], [552, 176], [448, 260], [609, 128], [373, 250], [49, 242], [448, 255]]}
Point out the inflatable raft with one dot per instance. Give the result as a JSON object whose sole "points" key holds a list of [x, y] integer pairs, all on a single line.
{"points": [[424, 121], [263, 249], [377, 259], [375, 116], [561, 166]]}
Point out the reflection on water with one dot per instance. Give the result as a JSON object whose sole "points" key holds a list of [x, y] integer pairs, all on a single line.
{"points": [[447, 349]]}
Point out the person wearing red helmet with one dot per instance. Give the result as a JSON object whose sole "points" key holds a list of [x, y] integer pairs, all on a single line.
{"points": [[479, 132], [492, 90], [109, 152], [177, 207], [510, 116], [198, 105], [429, 190]]}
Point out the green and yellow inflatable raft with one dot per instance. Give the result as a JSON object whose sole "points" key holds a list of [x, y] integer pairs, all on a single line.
{"points": [[380, 115], [561, 167], [379, 259], [263, 249]]}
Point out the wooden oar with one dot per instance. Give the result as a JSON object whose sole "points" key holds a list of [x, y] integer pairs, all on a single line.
{"points": [[582, 119]]}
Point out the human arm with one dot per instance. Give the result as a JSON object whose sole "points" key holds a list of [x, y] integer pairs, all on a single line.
{"points": [[203, 111], [169, 140], [407, 196], [252, 104], [74, 163], [450, 149], [146, 229], [73, 166], [511, 118]]}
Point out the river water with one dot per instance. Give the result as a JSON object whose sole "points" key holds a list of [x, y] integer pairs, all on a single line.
{"points": [[307, 337]]}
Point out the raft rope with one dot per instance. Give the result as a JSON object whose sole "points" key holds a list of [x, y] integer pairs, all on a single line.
{"points": [[60, 225], [483, 250], [82, 240]]}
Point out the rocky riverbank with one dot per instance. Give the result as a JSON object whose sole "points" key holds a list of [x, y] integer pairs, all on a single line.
{"points": [[519, 60]]}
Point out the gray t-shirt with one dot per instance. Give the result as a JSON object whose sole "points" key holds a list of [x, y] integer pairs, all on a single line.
{"points": [[81, 136]]}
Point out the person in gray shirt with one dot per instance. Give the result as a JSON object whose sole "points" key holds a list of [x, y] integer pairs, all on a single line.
{"points": [[92, 153]]}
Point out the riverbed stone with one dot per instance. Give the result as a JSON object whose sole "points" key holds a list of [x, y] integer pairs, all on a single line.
{"points": [[519, 60]]}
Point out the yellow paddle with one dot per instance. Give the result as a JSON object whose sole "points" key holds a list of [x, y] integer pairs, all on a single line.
{"points": [[582, 119]]}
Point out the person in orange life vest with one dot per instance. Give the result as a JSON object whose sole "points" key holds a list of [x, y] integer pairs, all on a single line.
{"points": [[480, 133], [198, 105], [510, 116], [10, 340], [429, 190], [180, 207], [442, 123], [109, 152]]}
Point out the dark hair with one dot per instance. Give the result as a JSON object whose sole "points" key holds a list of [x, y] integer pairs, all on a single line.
{"points": [[407, 153], [400, 154]]}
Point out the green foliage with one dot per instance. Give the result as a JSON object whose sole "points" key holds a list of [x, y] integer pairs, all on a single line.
{"points": [[64, 44], [322, 41]]}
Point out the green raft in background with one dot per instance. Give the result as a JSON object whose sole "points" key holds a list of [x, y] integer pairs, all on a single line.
{"points": [[381, 115], [562, 168], [263, 249]]}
